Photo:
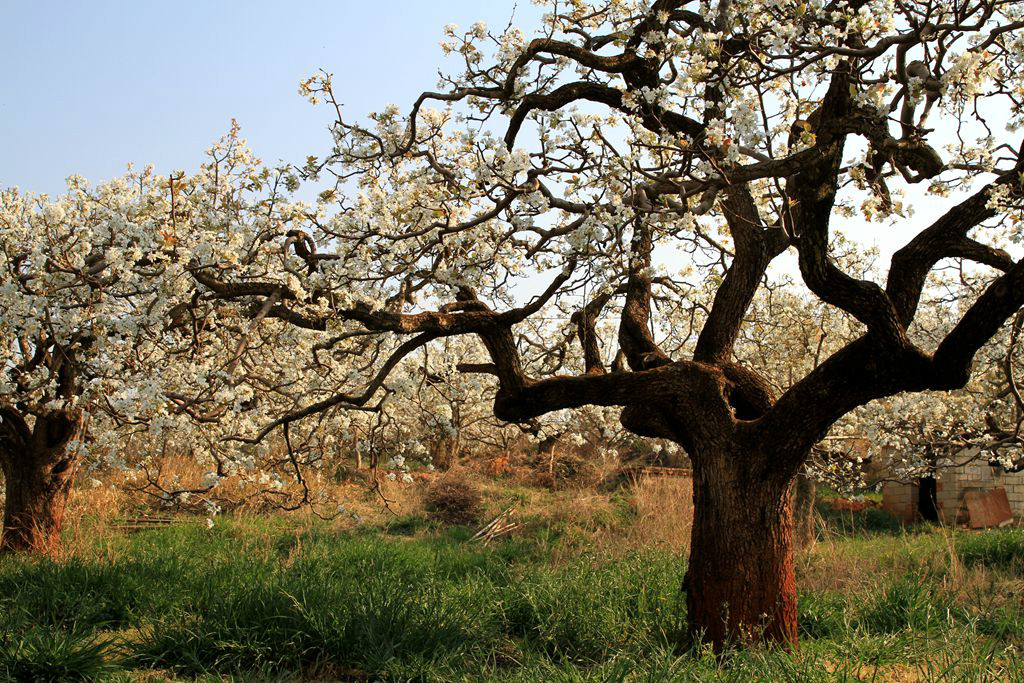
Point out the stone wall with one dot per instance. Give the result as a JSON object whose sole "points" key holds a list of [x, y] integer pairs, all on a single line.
{"points": [[954, 482], [900, 499], [956, 477]]}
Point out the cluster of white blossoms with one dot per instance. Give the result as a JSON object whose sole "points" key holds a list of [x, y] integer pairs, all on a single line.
{"points": [[87, 285]]}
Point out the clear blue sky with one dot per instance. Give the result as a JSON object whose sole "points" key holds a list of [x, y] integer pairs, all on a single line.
{"points": [[90, 85]]}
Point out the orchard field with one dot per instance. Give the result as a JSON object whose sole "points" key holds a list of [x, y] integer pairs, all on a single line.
{"points": [[392, 407], [586, 589]]}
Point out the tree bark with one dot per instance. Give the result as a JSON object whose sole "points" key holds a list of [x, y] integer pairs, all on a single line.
{"points": [[445, 451], [740, 584], [803, 510], [38, 478]]}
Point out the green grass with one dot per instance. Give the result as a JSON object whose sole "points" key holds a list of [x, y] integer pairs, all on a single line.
{"points": [[255, 601], [42, 654], [863, 522], [1002, 548]]}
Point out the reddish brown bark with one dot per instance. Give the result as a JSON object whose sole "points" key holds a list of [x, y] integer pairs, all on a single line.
{"points": [[38, 471], [34, 510], [740, 582]]}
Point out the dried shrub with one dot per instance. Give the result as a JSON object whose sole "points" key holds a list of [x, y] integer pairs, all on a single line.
{"points": [[570, 468], [453, 500]]}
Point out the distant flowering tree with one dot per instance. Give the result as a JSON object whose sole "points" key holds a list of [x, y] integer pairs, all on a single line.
{"points": [[104, 337], [630, 137], [86, 290]]}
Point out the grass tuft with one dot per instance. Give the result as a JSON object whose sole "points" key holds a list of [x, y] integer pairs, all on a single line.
{"points": [[49, 655], [997, 548]]}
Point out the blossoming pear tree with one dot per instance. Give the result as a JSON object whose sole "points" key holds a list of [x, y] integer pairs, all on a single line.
{"points": [[634, 151], [106, 343], [87, 289]]}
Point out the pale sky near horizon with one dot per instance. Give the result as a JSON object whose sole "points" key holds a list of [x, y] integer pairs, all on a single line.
{"points": [[90, 86]]}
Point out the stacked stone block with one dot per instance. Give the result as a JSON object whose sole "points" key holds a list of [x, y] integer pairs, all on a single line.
{"points": [[900, 499]]}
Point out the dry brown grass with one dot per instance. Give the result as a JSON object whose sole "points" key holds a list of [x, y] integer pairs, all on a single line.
{"points": [[839, 564], [861, 566], [579, 509], [98, 499], [100, 502], [660, 508], [664, 512], [659, 515]]}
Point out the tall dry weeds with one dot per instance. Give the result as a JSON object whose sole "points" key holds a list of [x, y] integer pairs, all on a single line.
{"points": [[664, 512]]}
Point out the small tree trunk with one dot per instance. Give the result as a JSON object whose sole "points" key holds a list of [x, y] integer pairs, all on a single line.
{"points": [[741, 584], [547, 447], [804, 491], [445, 452], [38, 482]]}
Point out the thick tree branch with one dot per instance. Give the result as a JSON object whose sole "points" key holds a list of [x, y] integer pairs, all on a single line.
{"points": [[755, 249], [812, 194], [953, 357], [945, 238], [674, 382], [635, 337]]}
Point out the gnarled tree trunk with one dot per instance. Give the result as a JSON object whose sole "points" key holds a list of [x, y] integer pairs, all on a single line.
{"points": [[740, 583], [38, 469]]}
